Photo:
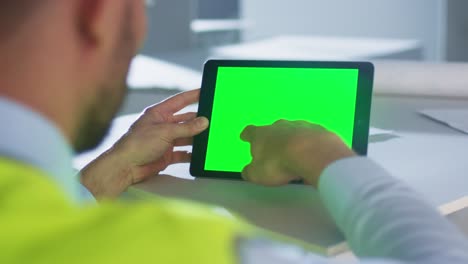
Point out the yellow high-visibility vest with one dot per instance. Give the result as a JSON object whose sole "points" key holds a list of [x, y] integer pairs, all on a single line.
{"points": [[39, 224]]}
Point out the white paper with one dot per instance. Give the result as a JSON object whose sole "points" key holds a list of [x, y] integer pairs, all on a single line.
{"points": [[146, 73], [455, 118], [373, 131], [317, 48], [213, 25]]}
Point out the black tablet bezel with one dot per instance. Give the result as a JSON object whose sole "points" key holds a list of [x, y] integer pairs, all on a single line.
{"points": [[362, 116]]}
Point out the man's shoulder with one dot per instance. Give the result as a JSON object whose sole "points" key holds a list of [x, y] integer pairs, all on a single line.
{"points": [[17, 171], [36, 215], [23, 184], [11, 165]]}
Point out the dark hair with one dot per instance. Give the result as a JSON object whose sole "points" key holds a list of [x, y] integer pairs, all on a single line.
{"points": [[13, 13]]}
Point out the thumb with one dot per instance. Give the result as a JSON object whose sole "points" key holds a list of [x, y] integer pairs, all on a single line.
{"points": [[190, 129]]}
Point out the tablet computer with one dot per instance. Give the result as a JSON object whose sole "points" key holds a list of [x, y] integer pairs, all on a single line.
{"points": [[235, 94]]}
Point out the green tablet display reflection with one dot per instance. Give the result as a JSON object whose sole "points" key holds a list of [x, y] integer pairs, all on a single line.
{"points": [[261, 96]]}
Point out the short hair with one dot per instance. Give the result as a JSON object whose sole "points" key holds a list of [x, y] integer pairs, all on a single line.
{"points": [[13, 13]]}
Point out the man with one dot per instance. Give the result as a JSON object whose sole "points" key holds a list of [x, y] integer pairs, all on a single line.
{"points": [[63, 66]]}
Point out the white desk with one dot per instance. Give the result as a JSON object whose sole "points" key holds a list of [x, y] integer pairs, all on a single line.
{"points": [[430, 157], [310, 47]]}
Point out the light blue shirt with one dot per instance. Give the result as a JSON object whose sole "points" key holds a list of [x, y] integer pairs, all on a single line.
{"points": [[383, 220], [28, 137]]}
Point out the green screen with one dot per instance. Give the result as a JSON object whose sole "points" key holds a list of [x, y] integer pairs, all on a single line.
{"points": [[261, 96]]}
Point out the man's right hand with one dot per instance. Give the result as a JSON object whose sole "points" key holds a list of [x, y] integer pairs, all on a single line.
{"points": [[287, 151]]}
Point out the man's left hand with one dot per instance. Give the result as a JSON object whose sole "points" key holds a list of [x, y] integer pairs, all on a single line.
{"points": [[147, 148]]}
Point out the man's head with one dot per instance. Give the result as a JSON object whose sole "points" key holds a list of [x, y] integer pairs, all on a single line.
{"points": [[68, 59]]}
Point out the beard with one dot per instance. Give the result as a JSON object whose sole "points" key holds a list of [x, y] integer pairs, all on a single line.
{"points": [[111, 92], [98, 118]]}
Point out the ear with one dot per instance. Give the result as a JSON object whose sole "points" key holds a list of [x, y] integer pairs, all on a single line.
{"points": [[97, 21]]}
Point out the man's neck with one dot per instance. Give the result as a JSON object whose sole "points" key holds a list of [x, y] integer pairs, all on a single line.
{"points": [[31, 139]]}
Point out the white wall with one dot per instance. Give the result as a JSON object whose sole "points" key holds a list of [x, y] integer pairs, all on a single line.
{"points": [[169, 26], [457, 30], [411, 19]]}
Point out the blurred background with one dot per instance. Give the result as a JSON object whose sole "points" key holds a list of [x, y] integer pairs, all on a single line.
{"points": [[429, 30], [419, 47]]}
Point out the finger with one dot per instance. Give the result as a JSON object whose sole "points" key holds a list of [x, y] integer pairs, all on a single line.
{"points": [[152, 169], [187, 129], [149, 170], [274, 175], [247, 172], [181, 157], [248, 134], [184, 117], [256, 150], [160, 165], [176, 103], [253, 172], [256, 146], [266, 174], [182, 142]]}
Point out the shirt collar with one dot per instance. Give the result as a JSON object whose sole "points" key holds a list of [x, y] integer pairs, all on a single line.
{"points": [[28, 137]]}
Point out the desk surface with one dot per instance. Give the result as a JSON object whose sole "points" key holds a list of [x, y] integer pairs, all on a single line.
{"points": [[429, 156]]}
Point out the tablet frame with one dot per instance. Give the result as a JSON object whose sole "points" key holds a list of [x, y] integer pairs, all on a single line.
{"points": [[361, 120]]}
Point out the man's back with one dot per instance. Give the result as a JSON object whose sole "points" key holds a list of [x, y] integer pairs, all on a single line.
{"points": [[39, 224]]}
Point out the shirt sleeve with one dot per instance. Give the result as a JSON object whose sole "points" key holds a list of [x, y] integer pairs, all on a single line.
{"points": [[384, 222], [382, 217]]}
